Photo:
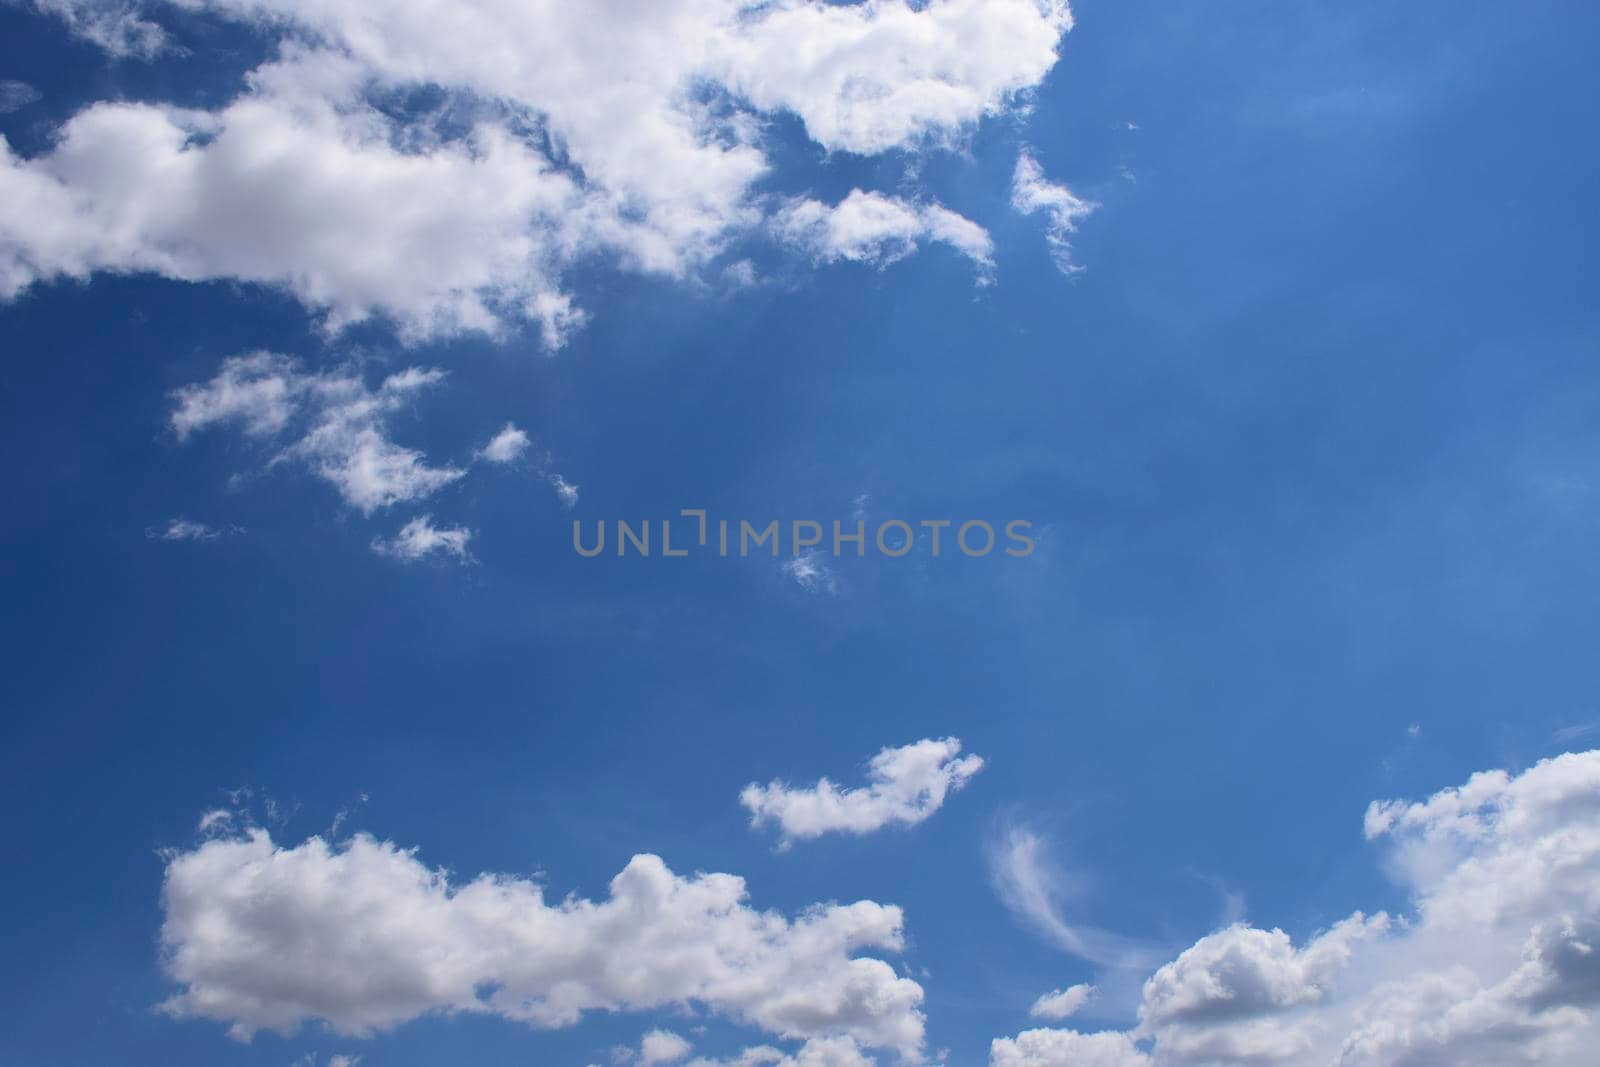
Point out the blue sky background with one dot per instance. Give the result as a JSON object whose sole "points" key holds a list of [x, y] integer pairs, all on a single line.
{"points": [[1312, 438]]}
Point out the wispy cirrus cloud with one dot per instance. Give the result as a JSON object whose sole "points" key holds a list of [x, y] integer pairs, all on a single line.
{"points": [[1032, 192], [1038, 892]]}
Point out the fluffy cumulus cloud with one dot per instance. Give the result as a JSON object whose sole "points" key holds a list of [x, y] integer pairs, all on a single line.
{"points": [[331, 422], [315, 180], [905, 786], [1497, 966], [364, 937]]}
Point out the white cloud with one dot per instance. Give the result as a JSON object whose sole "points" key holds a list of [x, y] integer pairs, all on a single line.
{"points": [[510, 445], [364, 937], [1243, 972], [302, 182], [114, 25], [740, 275], [1062, 1003], [310, 1060], [1066, 1048], [419, 538], [259, 392], [181, 529], [565, 491], [1037, 891], [507, 446], [1499, 965], [340, 424], [308, 194], [15, 95], [877, 230], [212, 821], [1031, 192], [818, 1052], [811, 572], [906, 786], [662, 1046]]}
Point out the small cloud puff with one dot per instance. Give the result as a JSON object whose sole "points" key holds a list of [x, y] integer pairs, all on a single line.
{"points": [[565, 490], [419, 538], [1062, 1003], [662, 1046], [181, 529], [506, 446]]}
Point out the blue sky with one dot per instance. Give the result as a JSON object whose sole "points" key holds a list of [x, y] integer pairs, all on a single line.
{"points": [[1301, 413]]}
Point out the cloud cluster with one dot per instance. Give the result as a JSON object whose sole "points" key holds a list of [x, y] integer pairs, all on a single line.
{"points": [[319, 178], [905, 786], [1499, 965], [333, 424], [363, 937], [329, 421]]}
